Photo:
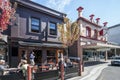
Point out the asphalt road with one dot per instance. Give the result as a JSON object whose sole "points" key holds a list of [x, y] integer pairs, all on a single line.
{"points": [[110, 73]]}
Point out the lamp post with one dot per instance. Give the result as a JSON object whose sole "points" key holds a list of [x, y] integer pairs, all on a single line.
{"points": [[62, 67]]}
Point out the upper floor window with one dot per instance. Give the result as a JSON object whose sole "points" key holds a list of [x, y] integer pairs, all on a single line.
{"points": [[88, 32], [53, 28], [95, 34], [101, 32], [35, 25]]}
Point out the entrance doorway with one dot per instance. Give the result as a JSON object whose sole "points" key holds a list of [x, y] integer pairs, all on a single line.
{"points": [[38, 57]]}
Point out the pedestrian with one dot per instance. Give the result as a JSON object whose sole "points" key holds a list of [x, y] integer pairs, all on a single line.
{"points": [[24, 55], [62, 68], [32, 57], [59, 68], [24, 69], [23, 58]]}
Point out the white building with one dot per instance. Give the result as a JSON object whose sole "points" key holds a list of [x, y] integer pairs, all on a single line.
{"points": [[113, 37], [114, 33]]}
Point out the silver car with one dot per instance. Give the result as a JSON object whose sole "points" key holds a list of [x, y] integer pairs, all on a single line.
{"points": [[116, 61]]}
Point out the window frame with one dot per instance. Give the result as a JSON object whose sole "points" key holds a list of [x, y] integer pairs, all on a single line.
{"points": [[52, 29], [88, 31], [39, 26]]}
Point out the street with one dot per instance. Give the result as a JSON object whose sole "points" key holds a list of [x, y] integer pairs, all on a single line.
{"points": [[110, 73]]}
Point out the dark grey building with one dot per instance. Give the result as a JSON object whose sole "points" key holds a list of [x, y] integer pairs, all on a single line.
{"points": [[35, 29]]}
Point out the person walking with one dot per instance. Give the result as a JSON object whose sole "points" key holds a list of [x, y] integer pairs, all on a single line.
{"points": [[32, 57]]}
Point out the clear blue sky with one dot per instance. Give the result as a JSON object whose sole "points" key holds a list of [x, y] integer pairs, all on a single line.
{"points": [[107, 10]]}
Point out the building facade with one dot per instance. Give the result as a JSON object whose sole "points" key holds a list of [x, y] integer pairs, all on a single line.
{"points": [[113, 38], [35, 29], [91, 34], [113, 33]]}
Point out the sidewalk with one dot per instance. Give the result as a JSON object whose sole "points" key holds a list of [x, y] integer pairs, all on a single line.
{"points": [[91, 72]]}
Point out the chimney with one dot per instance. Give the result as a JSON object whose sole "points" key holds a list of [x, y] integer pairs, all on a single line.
{"points": [[105, 24], [91, 17], [80, 11], [97, 20]]}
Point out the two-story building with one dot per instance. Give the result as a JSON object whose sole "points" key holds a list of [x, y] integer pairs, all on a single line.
{"points": [[35, 29], [92, 44]]}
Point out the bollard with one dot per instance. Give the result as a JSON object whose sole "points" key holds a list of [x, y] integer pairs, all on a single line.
{"points": [[80, 69], [82, 66], [29, 71], [62, 71]]}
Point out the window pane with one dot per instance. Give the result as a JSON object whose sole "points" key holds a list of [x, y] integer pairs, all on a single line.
{"points": [[35, 27], [35, 21], [52, 26], [52, 32]]}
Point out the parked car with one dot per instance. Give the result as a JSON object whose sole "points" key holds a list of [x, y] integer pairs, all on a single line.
{"points": [[74, 59], [112, 57], [116, 61]]}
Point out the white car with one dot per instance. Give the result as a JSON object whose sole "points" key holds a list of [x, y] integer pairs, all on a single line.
{"points": [[116, 61]]}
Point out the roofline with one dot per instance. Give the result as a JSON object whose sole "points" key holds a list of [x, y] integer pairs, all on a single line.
{"points": [[40, 7], [117, 25], [96, 25]]}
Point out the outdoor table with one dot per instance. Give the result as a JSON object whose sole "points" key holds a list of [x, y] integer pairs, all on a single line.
{"points": [[44, 67]]}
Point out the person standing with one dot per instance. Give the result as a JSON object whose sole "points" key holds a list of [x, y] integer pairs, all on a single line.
{"points": [[24, 69], [32, 57], [24, 55]]}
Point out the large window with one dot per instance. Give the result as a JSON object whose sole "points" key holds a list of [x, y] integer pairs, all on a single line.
{"points": [[88, 32], [53, 28], [35, 25]]}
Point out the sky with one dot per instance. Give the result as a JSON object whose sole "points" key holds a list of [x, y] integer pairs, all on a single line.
{"points": [[106, 10]]}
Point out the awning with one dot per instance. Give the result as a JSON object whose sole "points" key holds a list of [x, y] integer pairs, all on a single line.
{"points": [[3, 39], [100, 46], [33, 44]]}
